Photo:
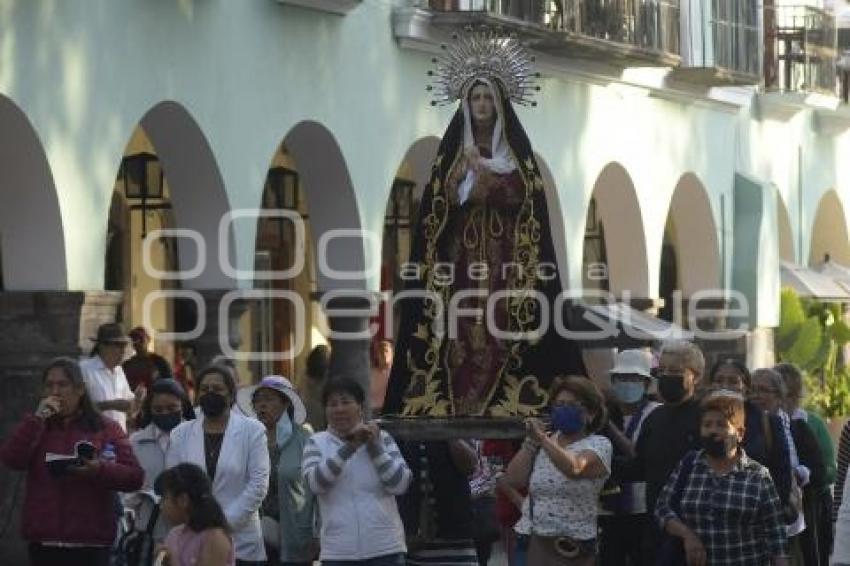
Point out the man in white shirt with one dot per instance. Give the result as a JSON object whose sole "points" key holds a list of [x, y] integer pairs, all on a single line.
{"points": [[104, 377]]}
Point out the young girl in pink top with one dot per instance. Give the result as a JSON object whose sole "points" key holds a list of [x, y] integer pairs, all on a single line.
{"points": [[201, 537]]}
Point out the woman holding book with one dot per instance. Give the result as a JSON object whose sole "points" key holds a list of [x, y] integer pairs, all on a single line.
{"points": [[75, 460]]}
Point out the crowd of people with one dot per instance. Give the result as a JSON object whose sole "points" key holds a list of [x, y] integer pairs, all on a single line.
{"points": [[669, 464]]}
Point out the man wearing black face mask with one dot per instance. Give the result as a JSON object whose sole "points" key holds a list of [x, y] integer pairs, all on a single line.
{"points": [[671, 430]]}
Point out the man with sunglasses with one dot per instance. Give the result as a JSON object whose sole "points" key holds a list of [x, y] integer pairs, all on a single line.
{"points": [[671, 430]]}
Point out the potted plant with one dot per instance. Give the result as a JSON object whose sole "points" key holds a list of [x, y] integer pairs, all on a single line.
{"points": [[812, 335]]}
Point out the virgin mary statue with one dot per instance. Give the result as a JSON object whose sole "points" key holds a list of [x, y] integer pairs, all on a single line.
{"points": [[475, 339]]}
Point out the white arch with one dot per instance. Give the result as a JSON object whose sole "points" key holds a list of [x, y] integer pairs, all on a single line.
{"points": [[625, 240], [332, 203], [415, 166], [198, 195], [419, 158], [829, 231], [696, 242], [786, 234], [32, 240]]}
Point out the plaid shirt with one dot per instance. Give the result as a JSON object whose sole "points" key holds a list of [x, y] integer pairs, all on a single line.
{"points": [[737, 516]]}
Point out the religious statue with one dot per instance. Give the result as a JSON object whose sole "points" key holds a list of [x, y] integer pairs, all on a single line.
{"points": [[471, 341]]}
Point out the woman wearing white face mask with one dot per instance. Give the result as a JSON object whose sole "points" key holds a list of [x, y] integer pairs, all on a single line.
{"points": [[289, 505], [625, 517]]}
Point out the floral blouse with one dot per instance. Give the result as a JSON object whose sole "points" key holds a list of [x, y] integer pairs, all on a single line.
{"points": [[560, 506]]}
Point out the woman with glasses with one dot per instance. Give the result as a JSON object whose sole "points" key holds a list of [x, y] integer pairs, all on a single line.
{"points": [[564, 470], [806, 461]]}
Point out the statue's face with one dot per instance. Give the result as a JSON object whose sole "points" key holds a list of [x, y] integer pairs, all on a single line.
{"points": [[482, 106]]}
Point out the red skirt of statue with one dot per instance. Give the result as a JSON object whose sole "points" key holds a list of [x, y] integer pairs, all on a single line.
{"points": [[481, 247]]}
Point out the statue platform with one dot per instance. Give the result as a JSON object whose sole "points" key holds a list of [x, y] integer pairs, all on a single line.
{"points": [[450, 428]]}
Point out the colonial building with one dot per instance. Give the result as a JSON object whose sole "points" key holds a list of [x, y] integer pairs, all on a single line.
{"points": [[209, 168]]}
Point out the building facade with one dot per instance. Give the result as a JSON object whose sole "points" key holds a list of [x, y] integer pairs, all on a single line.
{"points": [[687, 146]]}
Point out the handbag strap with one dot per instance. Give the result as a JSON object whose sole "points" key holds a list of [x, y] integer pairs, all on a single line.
{"points": [[152, 519], [767, 426], [637, 417], [681, 480]]}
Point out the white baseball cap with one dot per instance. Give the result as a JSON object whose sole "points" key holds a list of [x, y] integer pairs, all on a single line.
{"points": [[633, 362]]}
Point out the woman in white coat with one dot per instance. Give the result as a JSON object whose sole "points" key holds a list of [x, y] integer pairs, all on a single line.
{"points": [[232, 449]]}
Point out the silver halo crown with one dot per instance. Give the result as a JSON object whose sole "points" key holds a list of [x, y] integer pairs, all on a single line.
{"points": [[483, 53]]}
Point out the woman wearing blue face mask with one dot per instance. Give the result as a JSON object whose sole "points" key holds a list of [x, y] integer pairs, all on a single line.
{"points": [[564, 470], [289, 505]]}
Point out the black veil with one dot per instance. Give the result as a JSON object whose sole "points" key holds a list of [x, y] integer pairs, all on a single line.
{"points": [[419, 383]]}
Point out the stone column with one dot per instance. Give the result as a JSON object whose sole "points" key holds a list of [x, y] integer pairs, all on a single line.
{"points": [[34, 328], [710, 329], [648, 305], [347, 316], [208, 345]]}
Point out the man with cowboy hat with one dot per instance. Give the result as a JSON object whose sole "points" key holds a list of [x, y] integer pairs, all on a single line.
{"points": [[104, 377]]}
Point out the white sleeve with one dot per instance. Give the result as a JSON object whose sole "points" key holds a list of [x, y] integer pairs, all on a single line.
{"points": [[240, 510], [91, 383], [603, 449], [122, 387], [173, 455]]}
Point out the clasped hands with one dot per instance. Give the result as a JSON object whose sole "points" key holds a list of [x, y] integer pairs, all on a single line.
{"points": [[363, 433], [473, 159]]}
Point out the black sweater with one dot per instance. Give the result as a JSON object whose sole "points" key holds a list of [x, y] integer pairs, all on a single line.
{"points": [[668, 433]]}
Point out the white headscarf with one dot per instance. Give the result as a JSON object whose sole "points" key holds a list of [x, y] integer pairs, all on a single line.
{"points": [[502, 161]]}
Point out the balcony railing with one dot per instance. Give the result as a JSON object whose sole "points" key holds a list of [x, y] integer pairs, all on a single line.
{"points": [[332, 6], [649, 24], [646, 26], [800, 49]]}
